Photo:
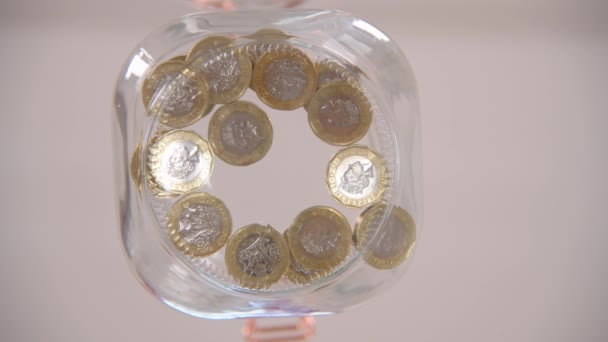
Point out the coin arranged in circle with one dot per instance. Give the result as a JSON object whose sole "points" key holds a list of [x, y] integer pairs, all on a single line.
{"points": [[135, 166], [226, 69], [386, 240], [339, 113], [199, 224], [173, 93], [284, 78], [240, 133], [257, 256], [319, 238], [178, 161], [357, 176]]}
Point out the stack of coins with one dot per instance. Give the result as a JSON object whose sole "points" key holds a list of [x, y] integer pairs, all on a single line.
{"points": [[178, 161]]}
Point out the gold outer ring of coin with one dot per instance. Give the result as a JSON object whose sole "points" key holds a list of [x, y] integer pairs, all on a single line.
{"points": [[268, 33], [339, 136], [179, 58], [232, 263], [309, 260], [329, 72], [151, 86], [381, 173], [135, 166], [176, 212], [279, 53], [215, 133], [365, 222], [299, 274], [158, 186], [205, 50]]}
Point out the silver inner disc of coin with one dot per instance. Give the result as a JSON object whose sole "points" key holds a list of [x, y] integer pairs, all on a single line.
{"points": [[241, 133], [182, 162], [181, 96], [258, 255], [339, 110], [178, 94], [200, 224], [356, 177], [285, 79], [319, 237], [392, 240], [222, 72]]}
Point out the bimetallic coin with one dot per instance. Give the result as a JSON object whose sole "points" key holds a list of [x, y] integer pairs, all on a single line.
{"points": [[319, 238], [357, 176], [135, 166], [178, 161], [182, 58], [284, 78], [226, 69], [240, 133], [385, 246], [173, 93], [339, 113], [257, 256], [199, 224]]}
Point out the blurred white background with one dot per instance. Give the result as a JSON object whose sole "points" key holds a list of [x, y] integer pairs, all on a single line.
{"points": [[514, 113]]}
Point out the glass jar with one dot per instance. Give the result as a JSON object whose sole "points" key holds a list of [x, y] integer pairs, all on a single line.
{"points": [[300, 169]]}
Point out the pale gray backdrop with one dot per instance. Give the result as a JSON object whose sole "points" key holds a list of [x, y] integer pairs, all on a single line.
{"points": [[514, 113]]}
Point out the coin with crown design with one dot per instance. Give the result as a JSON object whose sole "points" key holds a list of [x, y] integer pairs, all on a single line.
{"points": [[226, 69], [175, 95], [339, 113], [319, 238], [257, 256], [284, 78], [199, 224], [357, 176], [386, 240], [240, 133], [179, 161]]}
